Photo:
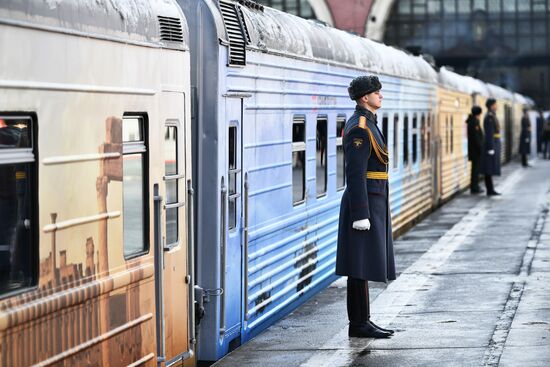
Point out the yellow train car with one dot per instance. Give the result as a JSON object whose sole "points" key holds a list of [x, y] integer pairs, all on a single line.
{"points": [[95, 160], [454, 105]]}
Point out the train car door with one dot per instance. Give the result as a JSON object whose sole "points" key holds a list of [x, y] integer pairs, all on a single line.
{"points": [[436, 157], [509, 139], [231, 250], [172, 275]]}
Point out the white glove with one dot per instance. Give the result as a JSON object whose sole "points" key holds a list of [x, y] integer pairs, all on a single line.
{"points": [[491, 152], [527, 140], [361, 225]]}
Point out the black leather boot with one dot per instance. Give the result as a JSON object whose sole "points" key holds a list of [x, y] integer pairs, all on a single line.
{"points": [[366, 330], [381, 328]]}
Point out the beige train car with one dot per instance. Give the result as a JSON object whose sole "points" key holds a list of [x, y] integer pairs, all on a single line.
{"points": [[94, 132], [454, 105], [408, 118]]}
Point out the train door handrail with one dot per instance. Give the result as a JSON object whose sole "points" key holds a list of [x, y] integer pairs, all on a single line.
{"points": [[223, 230], [245, 245], [159, 270]]}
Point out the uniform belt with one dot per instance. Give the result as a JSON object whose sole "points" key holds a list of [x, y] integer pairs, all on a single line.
{"points": [[376, 175], [496, 136]]}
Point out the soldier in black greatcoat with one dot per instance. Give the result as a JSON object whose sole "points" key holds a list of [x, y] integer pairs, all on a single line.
{"points": [[490, 159], [365, 246], [525, 139], [475, 146]]}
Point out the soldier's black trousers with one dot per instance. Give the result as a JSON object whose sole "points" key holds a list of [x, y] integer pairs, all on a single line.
{"points": [[524, 160], [489, 184], [474, 179], [358, 301]]}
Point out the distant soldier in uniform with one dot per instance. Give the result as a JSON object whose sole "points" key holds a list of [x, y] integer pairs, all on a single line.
{"points": [[525, 139], [490, 160], [365, 246], [540, 124], [475, 146], [546, 139]]}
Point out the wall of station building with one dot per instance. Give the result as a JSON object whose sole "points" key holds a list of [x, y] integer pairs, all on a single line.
{"points": [[504, 42]]}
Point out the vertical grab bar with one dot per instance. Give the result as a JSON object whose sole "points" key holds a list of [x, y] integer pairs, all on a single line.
{"points": [[223, 230], [245, 245], [159, 274], [191, 261]]}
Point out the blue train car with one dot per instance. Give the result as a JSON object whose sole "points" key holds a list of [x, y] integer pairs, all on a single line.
{"points": [[269, 105]]}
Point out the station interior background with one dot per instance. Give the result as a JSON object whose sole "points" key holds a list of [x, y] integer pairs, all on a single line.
{"points": [[504, 42]]}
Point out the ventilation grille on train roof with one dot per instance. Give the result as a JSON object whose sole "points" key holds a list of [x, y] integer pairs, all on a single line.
{"points": [[236, 31], [170, 29]]}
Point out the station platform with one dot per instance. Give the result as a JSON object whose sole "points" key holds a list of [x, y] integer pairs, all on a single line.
{"points": [[473, 289]]}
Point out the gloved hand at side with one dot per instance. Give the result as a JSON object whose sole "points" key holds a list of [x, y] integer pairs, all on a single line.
{"points": [[361, 225]]}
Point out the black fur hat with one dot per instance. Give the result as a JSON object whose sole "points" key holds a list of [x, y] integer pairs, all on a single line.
{"points": [[490, 102], [363, 85], [476, 110]]}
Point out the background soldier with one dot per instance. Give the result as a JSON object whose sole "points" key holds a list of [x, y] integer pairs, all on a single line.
{"points": [[490, 160], [475, 145], [365, 247], [546, 139], [525, 139]]}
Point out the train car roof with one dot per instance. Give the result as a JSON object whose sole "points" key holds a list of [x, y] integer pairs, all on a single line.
{"points": [[159, 22], [499, 92], [463, 83], [450, 79], [525, 100], [478, 86], [277, 32]]}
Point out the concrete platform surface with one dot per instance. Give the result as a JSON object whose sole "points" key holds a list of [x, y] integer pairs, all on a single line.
{"points": [[473, 290]]}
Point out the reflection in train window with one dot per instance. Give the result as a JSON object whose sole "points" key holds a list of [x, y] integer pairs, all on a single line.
{"points": [[452, 134], [415, 138], [385, 128], [233, 194], [446, 134], [395, 140], [321, 156], [134, 181], [429, 134], [18, 250], [406, 140], [298, 160], [340, 159], [423, 137], [171, 168]]}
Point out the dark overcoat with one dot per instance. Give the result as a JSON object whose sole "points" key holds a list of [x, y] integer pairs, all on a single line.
{"points": [[525, 136], [490, 164], [365, 254], [475, 139]]}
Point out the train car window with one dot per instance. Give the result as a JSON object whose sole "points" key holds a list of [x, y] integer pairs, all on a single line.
{"points": [[298, 160], [429, 135], [232, 146], [171, 169], [415, 138], [406, 140], [385, 127], [423, 137], [451, 128], [134, 185], [395, 140], [340, 159], [446, 134], [321, 156], [18, 245]]}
